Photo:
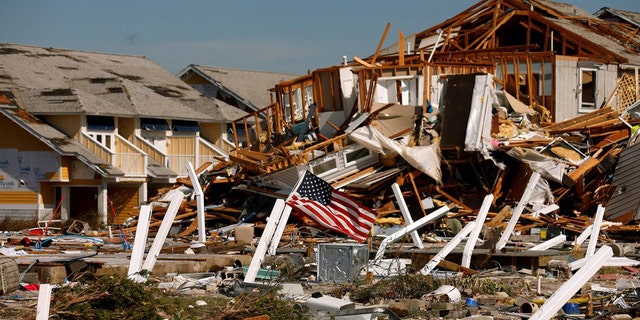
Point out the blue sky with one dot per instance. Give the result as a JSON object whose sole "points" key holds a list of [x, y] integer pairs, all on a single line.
{"points": [[278, 35]]}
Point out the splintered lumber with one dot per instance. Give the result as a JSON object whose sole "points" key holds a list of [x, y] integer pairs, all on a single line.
{"points": [[384, 35], [362, 62], [446, 264], [497, 220], [583, 169], [452, 199], [612, 138], [580, 121]]}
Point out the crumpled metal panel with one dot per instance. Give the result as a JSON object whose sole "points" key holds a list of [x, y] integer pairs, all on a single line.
{"points": [[339, 262]]}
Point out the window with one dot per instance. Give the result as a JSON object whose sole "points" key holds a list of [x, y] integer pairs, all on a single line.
{"points": [[185, 126], [326, 166], [104, 138], [154, 124], [355, 155], [405, 90], [100, 123], [587, 90], [101, 129]]}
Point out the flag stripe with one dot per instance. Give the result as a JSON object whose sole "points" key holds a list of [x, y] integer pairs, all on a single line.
{"points": [[316, 199]]}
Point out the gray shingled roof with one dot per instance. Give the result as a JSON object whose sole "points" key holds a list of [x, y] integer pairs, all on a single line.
{"points": [[69, 101], [59, 142], [565, 8], [214, 108], [98, 83], [629, 16], [251, 85], [603, 41]]}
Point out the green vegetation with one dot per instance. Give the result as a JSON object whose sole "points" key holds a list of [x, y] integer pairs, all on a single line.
{"points": [[116, 297]]}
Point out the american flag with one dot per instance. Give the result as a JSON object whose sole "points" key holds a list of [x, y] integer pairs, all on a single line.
{"points": [[331, 208]]}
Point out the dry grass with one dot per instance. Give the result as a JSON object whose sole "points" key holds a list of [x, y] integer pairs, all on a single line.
{"points": [[12, 224]]}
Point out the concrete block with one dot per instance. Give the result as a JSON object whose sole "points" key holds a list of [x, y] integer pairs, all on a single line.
{"points": [[31, 277], [52, 274], [244, 234], [444, 306]]}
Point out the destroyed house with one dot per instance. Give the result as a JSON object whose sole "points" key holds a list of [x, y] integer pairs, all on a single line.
{"points": [[544, 53], [96, 134], [549, 65], [630, 18]]}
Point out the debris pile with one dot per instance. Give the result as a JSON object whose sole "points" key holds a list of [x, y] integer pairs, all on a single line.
{"points": [[472, 201]]}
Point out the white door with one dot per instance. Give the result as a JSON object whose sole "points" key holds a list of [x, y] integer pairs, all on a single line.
{"points": [[587, 90]]}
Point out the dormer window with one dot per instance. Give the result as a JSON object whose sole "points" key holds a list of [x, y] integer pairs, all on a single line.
{"points": [[154, 124], [184, 126], [101, 129], [100, 123]]}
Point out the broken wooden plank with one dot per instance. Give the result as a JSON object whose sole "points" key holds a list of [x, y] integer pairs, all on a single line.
{"points": [[384, 35], [362, 62], [577, 120]]}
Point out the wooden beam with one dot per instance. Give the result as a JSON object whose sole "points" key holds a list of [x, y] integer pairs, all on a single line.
{"points": [[417, 193], [497, 220], [400, 48], [456, 267], [452, 199], [384, 35], [362, 62], [478, 43]]}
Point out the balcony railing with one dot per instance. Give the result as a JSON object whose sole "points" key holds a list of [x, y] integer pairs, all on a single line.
{"points": [[97, 148], [130, 163], [130, 159], [209, 152], [177, 163], [148, 148]]}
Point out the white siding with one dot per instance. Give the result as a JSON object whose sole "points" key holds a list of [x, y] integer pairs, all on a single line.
{"points": [[566, 86]]}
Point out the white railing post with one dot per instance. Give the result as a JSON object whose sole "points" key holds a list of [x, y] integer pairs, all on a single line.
{"points": [[197, 192], [506, 234]]}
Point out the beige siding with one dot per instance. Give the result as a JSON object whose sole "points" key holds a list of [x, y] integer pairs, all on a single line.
{"points": [[68, 124], [19, 138], [180, 150], [181, 145], [48, 194], [65, 169], [126, 128], [213, 132], [197, 79], [152, 152], [128, 158], [96, 148]]}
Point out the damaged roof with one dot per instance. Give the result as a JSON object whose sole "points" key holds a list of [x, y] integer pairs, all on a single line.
{"points": [[629, 17], [251, 86], [69, 101], [474, 28], [60, 81]]}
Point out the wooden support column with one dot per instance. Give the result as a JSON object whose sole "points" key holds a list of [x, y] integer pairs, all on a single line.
{"points": [[384, 35], [400, 48]]}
